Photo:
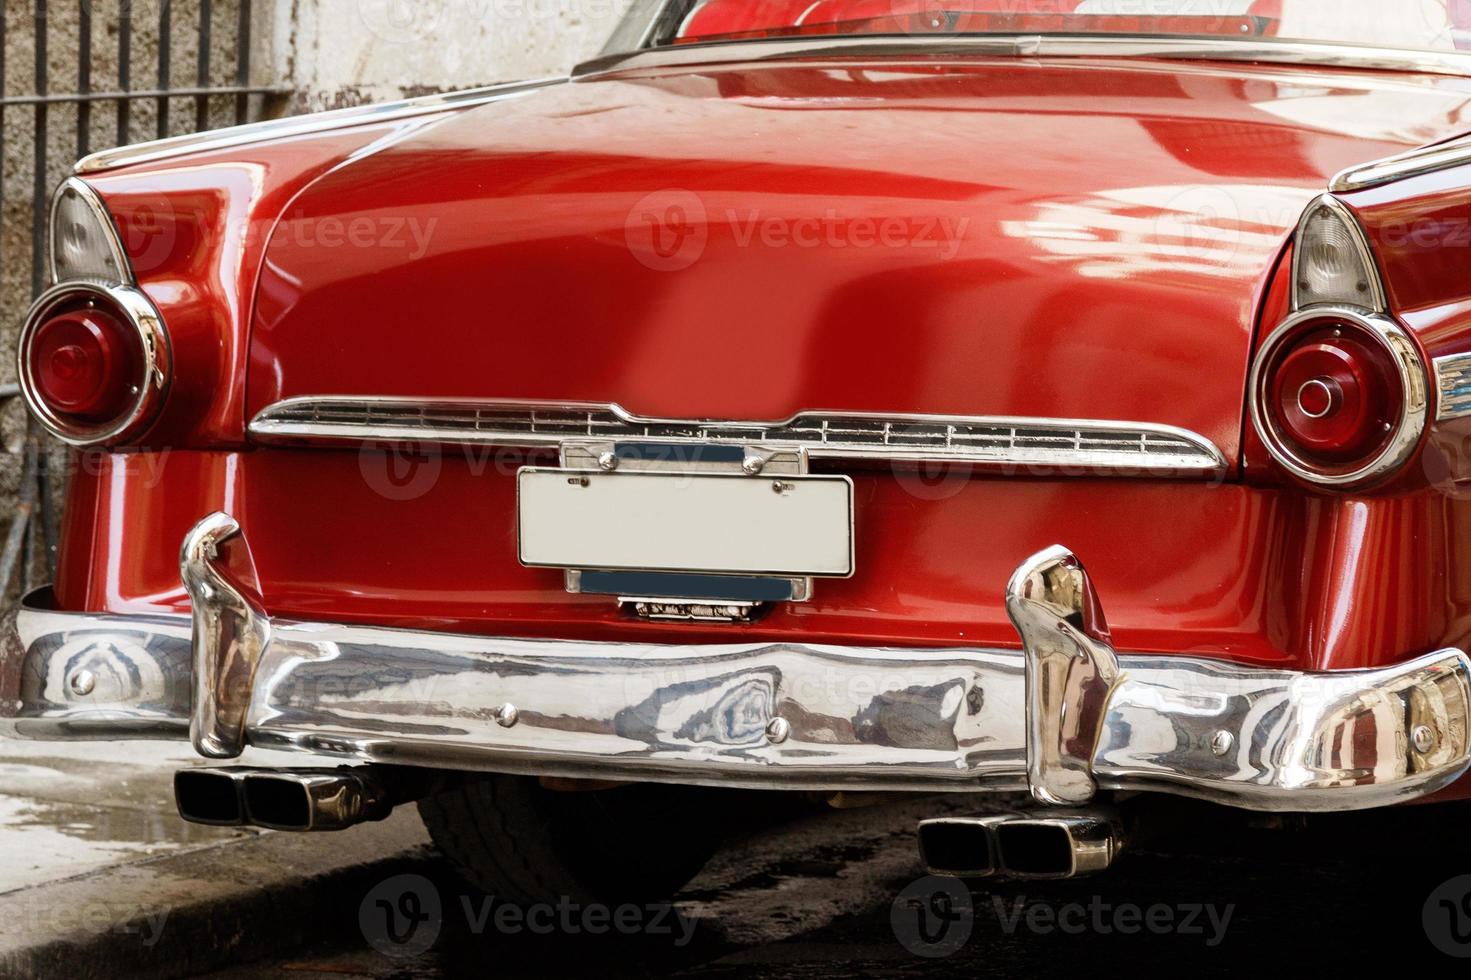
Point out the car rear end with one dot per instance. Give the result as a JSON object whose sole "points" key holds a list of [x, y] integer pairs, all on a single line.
{"points": [[430, 443]]}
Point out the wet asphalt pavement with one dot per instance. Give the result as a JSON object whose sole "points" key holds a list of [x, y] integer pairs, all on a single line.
{"points": [[841, 894], [98, 877]]}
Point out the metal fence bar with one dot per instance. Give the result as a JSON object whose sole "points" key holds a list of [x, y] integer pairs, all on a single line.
{"points": [[3, 47], [84, 78], [132, 95], [165, 58], [242, 63], [124, 69], [201, 102], [39, 186]]}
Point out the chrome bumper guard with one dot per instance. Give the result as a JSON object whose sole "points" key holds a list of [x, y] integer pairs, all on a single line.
{"points": [[1064, 717]]}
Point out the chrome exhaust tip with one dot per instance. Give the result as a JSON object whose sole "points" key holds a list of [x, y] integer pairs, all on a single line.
{"points": [[297, 800], [210, 796], [314, 800], [959, 847], [1042, 844]]}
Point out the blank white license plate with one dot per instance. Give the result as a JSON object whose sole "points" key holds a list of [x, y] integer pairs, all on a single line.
{"points": [[686, 522]]}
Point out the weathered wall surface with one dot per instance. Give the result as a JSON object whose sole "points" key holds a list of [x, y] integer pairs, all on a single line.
{"points": [[341, 52]]}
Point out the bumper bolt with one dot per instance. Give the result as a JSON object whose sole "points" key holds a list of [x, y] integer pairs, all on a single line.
{"points": [[608, 462], [777, 730], [83, 682], [753, 464], [1221, 743], [1422, 738], [506, 715]]}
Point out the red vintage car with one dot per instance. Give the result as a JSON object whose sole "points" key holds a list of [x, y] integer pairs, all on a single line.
{"points": [[741, 412]]}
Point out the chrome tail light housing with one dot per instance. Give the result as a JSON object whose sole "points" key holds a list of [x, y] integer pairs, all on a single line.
{"points": [[94, 362], [1338, 391], [1339, 396]]}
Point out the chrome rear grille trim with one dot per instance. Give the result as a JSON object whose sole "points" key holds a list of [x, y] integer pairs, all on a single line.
{"points": [[1453, 380], [1144, 448]]}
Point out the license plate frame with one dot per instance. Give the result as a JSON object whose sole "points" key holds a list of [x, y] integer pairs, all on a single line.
{"points": [[685, 522]]}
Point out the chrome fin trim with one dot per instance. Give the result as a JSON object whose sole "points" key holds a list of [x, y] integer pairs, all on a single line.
{"points": [[1086, 446], [303, 125], [1453, 385], [1402, 166]]}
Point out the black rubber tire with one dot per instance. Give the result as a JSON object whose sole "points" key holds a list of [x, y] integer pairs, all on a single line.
{"points": [[524, 844]]}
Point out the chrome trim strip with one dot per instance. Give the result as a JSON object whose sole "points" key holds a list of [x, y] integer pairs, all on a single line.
{"points": [[229, 635], [1453, 384], [1402, 166], [1377, 303], [106, 225], [1413, 381], [304, 125], [1326, 54], [789, 715], [1142, 448], [152, 383]]}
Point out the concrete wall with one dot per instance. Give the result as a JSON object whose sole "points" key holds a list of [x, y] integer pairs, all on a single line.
{"points": [[343, 52]]}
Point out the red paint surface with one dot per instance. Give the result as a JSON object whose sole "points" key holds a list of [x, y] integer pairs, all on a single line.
{"points": [[1112, 226], [1257, 575]]}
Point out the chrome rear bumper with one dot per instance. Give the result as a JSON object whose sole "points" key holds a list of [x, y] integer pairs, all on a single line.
{"points": [[1063, 718]]}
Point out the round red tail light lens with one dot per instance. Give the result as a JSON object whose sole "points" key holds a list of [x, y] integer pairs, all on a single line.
{"points": [[93, 362], [1339, 397], [83, 362]]}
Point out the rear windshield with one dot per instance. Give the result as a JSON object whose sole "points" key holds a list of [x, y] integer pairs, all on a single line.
{"points": [[1422, 24]]}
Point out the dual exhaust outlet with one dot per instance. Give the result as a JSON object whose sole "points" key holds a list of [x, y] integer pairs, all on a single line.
{"points": [[1042, 844], [299, 800]]}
